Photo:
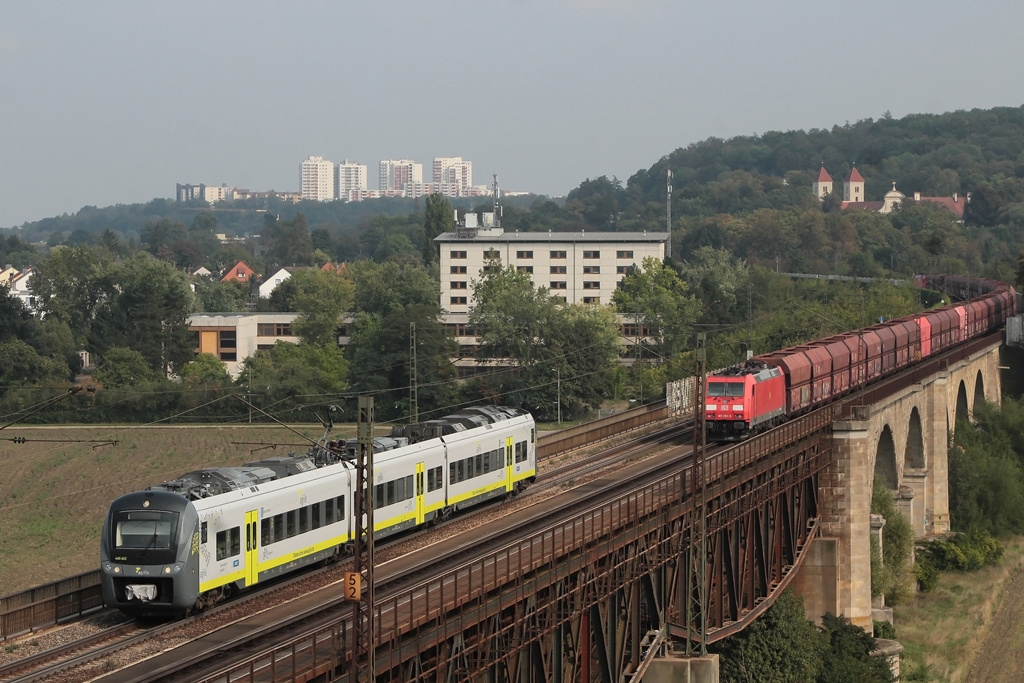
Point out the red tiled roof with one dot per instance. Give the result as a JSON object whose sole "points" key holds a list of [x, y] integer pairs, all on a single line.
{"points": [[823, 176], [855, 176], [955, 205], [232, 274]]}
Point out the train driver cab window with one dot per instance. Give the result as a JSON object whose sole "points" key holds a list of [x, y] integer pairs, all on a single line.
{"points": [[727, 389], [145, 530], [229, 543], [521, 451]]}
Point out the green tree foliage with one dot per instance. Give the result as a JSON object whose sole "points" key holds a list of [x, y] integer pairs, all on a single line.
{"points": [[597, 203], [892, 575], [203, 372], [322, 298], [661, 300], [437, 219], [540, 346], [159, 234], [122, 367], [289, 374], [986, 481], [21, 365], [849, 659], [783, 646], [718, 280], [388, 287], [289, 243], [69, 285], [779, 647], [16, 322], [144, 306], [388, 297], [16, 252], [962, 552], [380, 354], [213, 295]]}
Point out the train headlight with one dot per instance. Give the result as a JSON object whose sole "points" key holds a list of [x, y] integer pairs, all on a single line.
{"points": [[167, 570], [117, 570], [177, 568], [108, 567]]}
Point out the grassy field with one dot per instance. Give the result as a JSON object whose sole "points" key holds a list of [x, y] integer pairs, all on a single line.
{"points": [[949, 630], [55, 488]]}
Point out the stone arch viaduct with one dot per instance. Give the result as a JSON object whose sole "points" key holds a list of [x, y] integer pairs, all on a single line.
{"points": [[902, 438]]}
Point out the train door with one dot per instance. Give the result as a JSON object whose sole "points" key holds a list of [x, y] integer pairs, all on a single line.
{"points": [[420, 487], [252, 572], [509, 462]]}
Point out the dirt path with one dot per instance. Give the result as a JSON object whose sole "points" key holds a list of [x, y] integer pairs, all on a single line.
{"points": [[1001, 658]]}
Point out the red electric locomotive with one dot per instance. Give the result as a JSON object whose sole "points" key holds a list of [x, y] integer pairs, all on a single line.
{"points": [[743, 400]]}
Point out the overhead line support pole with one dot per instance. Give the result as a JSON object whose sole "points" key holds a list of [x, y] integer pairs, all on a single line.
{"points": [[363, 544], [697, 622]]}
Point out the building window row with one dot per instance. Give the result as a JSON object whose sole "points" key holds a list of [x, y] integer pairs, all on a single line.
{"points": [[459, 284], [274, 330], [624, 254], [458, 270], [559, 284], [524, 254], [458, 301]]}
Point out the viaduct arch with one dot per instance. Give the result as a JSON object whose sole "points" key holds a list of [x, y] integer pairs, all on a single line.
{"points": [[903, 439]]}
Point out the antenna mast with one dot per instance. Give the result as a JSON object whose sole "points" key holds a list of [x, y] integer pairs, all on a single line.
{"points": [[668, 212], [497, 207]]}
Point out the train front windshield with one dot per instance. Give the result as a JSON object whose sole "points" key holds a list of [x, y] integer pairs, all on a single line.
{"points": [[145, 530], [728, 389]]}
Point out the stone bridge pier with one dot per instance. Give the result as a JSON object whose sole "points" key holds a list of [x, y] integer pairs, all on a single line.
{"points": [[903, 438]]}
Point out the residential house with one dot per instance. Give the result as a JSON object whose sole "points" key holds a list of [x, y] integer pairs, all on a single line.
{"points": [[240, 272], [271, 283]]}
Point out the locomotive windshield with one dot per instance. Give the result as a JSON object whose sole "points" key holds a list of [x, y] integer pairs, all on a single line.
{"points": [[725, 388], [145, 529]]}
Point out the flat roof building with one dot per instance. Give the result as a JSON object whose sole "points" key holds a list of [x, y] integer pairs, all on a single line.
{"points": [[580, 267]]}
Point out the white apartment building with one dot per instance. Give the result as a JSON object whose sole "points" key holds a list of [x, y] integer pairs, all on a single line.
{"points": [[351, 179], [580, 267], [454, 170], [317, 179], [395, 174], [207, 193]]}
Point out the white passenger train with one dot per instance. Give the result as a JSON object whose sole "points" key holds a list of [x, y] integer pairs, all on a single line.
{"points": [[190, 542]]}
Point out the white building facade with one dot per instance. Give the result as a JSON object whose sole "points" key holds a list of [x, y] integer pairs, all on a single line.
{"points": [[317, 179], [395, 174], [454, 170], [351, 179], [580, 267]]}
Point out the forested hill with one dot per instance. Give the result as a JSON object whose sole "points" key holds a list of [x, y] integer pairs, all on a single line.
{"points": [[977, 151], [933, 154], [748, 195]]}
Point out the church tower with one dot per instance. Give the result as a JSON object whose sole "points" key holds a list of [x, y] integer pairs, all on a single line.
{"points": [[822, 185], [853, 188]]}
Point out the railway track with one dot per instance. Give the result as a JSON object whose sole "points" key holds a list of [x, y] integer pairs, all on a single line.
{"points": [[317, 619], [94, 654]]}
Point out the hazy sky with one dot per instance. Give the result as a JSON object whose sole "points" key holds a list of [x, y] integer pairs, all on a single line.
{"points": [[115, 102]]}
